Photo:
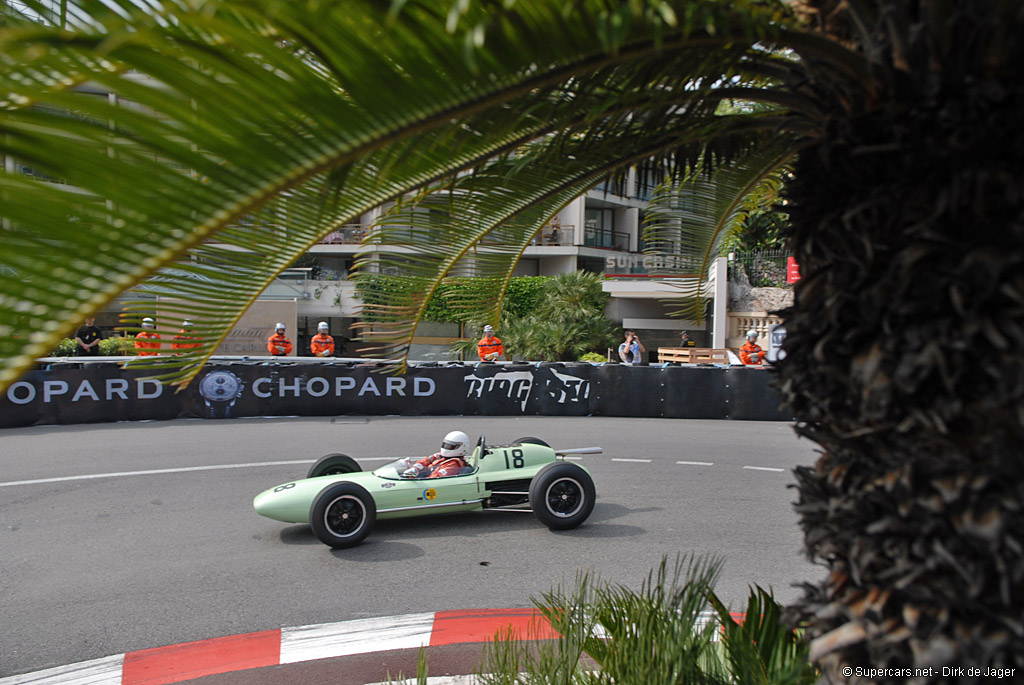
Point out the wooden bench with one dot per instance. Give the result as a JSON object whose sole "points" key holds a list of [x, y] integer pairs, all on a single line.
{"points": [[693, 355]]}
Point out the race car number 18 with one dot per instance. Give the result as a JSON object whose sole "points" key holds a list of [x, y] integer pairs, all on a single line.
{"points": [[517, 459]]}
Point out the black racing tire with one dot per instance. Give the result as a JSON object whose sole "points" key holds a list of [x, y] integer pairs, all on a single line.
{"points": [[531, 441], [333, 465], [562, 495], [342, 515]]}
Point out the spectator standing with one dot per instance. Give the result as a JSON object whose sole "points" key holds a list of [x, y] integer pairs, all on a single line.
{"points": [[489, 348], [632, 351], [751, 353], [87, 338], [278, 344], [187, 332], [322, 344], [147, 342]]}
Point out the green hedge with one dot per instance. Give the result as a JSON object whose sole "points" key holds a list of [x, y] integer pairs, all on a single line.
{"points": [[109, 347], [520, 298]]}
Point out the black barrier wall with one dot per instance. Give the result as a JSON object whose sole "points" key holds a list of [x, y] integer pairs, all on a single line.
{"points": [[99, 391]]}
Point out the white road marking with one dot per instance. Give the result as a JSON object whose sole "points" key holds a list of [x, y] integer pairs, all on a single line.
{"points": [[355, 637], [220, 467], [183, 469], [103, 671], [152, 472]]}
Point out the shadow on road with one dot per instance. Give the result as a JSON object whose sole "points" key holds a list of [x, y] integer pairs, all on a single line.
{"points": [[387, 540]]}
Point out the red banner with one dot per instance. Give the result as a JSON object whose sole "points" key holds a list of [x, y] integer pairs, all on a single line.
{"points": [[792, 270]]}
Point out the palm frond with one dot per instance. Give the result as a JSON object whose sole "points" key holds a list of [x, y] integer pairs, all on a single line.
{"points": [[201, 116], [762, 648], [692, 218]]}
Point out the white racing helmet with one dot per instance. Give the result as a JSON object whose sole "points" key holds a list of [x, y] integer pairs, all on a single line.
{"points": [[322, 326], [454, 444]]}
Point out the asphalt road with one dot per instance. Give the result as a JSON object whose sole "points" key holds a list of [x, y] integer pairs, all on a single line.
{"points": [[93, 566]]}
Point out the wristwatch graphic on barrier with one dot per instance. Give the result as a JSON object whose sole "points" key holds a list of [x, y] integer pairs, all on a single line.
{"points": [[220, 389]]}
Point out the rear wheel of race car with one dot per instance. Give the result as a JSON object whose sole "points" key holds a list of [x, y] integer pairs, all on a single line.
{"points": [[342, 515], [532, 441], [562, 495], [333, 465]]}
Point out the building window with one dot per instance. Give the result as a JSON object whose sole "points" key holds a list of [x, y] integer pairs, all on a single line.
{"points": [[599, 228]]}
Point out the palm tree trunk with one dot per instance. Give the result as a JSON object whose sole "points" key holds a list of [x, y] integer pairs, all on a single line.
{"points": [[906, 364]]}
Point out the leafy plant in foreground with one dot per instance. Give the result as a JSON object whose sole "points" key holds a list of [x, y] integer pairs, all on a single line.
{"points": [[661, 633]]}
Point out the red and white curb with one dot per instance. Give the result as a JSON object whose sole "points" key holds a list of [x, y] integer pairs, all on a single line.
{"points": [[189, 660]]}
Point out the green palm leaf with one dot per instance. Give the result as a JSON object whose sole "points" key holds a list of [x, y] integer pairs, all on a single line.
{"points": [[263, 125], [694, 217]]}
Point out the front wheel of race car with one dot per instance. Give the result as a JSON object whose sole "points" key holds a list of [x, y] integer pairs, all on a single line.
{"points": [[562, 495], [333, 465], [342, 515]]}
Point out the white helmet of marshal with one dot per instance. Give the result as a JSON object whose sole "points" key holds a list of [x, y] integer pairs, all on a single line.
{"points": [[454, 444], [322, 326]]}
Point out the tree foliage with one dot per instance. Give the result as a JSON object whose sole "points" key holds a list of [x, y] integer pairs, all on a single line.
{"points": [[521, 296], [567, 321]]}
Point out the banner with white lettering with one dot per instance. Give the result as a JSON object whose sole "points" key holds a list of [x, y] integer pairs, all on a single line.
{"points": [[76, 392], [222, 391]]}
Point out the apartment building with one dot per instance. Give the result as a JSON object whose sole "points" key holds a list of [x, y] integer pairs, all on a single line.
{"points": [[601, 232]]}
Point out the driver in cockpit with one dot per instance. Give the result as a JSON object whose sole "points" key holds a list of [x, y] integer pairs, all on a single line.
{"points": [[448, 462]]}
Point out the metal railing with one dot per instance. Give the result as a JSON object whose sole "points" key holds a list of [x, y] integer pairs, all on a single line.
{"points": [[608, 240], [555, 235], [346, 235], [763, 269]]}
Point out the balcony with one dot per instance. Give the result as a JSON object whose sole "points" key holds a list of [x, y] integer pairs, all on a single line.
{"points": [[606, 240], [350, 234], [553, 235]]}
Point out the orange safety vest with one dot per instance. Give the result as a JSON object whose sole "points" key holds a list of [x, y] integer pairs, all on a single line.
{"points": [[184, 334], [485, 347], [143, 347], [279, 345], [747, 349], [322, 345]]}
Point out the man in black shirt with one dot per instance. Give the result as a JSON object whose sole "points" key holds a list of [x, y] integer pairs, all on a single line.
{"points": [[87, 339]]}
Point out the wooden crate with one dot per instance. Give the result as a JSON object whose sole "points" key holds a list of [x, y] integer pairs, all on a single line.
{"points": [[693, 355]]}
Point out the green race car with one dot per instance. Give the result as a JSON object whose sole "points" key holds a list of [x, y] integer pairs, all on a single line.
{"points": [[342, 502]]}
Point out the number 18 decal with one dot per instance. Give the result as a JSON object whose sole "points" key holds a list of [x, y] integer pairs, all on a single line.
{"points": [[517, 459]]}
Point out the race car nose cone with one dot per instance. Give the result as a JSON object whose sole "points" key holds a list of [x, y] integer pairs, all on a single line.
{"points": [[263, 503], [278, 505]]}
